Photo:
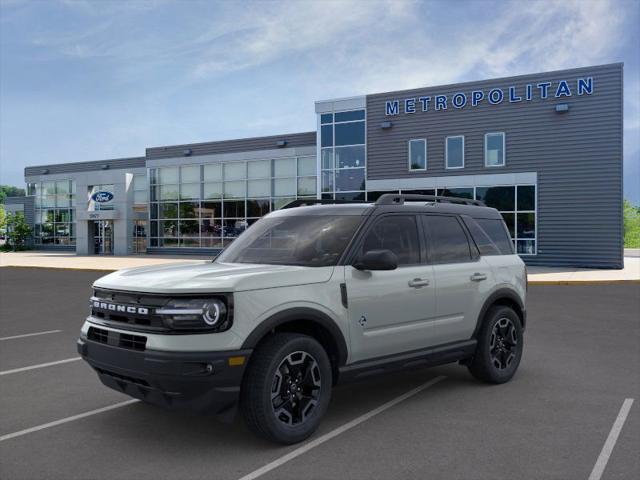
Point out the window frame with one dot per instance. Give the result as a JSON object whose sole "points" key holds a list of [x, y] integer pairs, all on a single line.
{"points": [[446, 152], [504, 149], [426, 162]]}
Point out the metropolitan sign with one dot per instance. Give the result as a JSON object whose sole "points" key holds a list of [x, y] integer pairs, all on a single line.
{"points": [[493, 96]]}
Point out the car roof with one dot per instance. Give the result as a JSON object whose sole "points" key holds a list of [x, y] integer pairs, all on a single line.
{"points": [[363, 208]]}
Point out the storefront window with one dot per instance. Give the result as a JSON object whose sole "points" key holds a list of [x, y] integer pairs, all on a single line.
{"points": [[54, 214], [208, 206], [516, 204]]}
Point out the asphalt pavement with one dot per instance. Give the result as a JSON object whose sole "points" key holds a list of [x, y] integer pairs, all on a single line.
{"points": [[582, 353]]}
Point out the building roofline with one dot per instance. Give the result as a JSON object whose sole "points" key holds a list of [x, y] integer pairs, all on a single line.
{"points": [[91, 165], [469, 82], [269, 142], [228, 140]]}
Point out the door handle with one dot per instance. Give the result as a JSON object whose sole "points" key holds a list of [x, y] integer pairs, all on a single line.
{"points": [[478, 277], [418, 282]]}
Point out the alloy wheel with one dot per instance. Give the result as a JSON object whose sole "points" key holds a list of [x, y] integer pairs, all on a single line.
{"points": [[295, 389], [504, 343]]}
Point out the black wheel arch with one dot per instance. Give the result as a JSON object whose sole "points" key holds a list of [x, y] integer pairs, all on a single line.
{"points": [[307, 321], [506, 297]]}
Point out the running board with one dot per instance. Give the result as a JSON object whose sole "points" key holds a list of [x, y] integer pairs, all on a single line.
{"points": [[427, 357]]}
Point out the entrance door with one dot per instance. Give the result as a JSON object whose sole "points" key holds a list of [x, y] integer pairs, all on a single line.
{"points": [[103, 237]]}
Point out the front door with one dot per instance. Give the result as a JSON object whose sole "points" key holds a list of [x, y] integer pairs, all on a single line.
{"points": [[391, 311], [103, 237]]}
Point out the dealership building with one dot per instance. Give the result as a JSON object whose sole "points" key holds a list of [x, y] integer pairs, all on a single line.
{"points": [[544, 149]]}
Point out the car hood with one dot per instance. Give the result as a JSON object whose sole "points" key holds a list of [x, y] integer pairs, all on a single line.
{"points": [[211, 277]]}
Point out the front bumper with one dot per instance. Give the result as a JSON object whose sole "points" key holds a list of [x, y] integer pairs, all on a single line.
{"points": [[194, 381]]}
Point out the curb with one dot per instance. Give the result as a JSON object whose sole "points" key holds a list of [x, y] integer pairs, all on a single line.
{"points": [[80, 269], [585, 282]]}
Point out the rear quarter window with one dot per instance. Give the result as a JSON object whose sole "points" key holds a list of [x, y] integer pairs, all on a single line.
{"points": [[492, 230]]}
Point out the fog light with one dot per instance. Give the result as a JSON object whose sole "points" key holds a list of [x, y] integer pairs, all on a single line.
{"points": [[236, 361]]}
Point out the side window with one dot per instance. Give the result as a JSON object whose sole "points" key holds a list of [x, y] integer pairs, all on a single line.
{"points": [[449, 243], [483, 241], [497, 231], [398, 233]]}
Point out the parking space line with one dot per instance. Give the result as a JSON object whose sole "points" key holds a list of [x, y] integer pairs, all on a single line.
{"points": [[603, 458], [334, 433], [40, 365], [29, 335], [66, 420]]}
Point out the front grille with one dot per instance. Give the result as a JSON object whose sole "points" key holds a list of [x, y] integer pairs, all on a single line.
{"points": [[128, 310], [98, 335], [122, 340], [133, 342]]}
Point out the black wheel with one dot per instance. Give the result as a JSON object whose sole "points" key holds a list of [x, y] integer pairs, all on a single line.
{"points": [[287, 388], [500, 344]]}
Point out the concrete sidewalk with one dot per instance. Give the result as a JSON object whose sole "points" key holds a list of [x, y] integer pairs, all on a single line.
{"points": [[586, 276], [69, 260]]}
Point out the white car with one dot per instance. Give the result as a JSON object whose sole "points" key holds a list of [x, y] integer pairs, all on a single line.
{"points": [[309, 296]]}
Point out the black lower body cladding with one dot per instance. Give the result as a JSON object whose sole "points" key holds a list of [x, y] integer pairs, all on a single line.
{"points": [[205, 382]]}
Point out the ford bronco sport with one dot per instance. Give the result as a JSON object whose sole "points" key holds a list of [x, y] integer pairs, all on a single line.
{"points": [[309, 296]]}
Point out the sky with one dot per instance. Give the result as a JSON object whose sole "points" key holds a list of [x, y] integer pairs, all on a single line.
{"points": [[90, 80]]}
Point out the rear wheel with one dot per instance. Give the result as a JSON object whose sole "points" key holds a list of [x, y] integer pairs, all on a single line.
{"points": [[287, 388], [500, 344]]}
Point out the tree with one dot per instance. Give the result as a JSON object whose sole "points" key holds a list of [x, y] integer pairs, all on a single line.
{"points": [[10, 191], [631, 225], [3, 218], [18, 231]]}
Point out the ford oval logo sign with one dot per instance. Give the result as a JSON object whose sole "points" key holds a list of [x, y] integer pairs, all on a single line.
{"points": [[102, 197]]}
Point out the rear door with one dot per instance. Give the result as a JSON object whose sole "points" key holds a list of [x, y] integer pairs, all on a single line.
{"points": [[391, 311], [462, 278]]}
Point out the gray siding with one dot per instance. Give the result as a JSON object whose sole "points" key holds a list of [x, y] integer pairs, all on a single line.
{"points": [[577, 155], [232, 146], [112, 164]]}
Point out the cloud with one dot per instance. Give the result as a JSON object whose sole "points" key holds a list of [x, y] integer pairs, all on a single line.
{"points": [[184, 68]]}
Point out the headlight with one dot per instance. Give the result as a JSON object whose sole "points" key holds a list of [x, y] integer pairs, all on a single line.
{"points": [[196, 314]]}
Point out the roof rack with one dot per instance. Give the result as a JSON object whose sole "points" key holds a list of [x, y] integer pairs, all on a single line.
{"points": [[300, 202], [399, 199]]}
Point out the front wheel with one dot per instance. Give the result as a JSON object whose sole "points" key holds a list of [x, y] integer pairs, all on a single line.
{"points": [[500, 344], [287, 388]]}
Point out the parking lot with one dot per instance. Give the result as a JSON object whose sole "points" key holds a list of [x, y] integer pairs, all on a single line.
{"points": [[557, 419]]}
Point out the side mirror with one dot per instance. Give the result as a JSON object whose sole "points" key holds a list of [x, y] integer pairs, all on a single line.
{"points": [[377, 260]]}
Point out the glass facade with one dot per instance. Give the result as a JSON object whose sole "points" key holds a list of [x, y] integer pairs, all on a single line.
{"points": [[516, 203], [208, 206], [343, 155], [140, 227], [54, 212]]}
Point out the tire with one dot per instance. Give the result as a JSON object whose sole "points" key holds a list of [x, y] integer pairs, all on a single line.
{"points": [[297, 370], [500, 345]]}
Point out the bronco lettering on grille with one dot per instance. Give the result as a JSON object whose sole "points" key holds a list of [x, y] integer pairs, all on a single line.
{"points": [[113, 307]]}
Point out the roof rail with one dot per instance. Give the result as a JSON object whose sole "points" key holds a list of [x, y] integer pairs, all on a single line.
{"points": [[300, 202], [399, 199]]}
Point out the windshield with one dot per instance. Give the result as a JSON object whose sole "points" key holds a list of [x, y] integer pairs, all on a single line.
{"points": [[310, 241]]}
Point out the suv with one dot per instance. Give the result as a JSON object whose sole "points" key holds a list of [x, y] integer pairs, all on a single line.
{"points": [[309, 296]]}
